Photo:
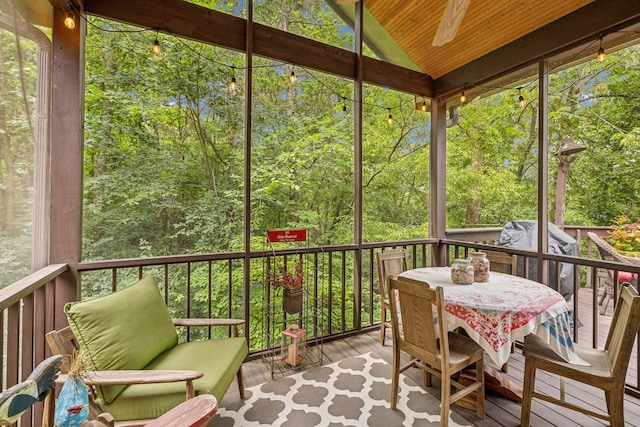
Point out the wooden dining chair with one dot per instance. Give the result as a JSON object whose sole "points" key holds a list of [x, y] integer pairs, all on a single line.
{"points": [[607, 370], [390, 263], [430, 346], [502, 262]]}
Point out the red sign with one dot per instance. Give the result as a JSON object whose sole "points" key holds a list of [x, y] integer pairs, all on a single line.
{"points": [[286, 235]]}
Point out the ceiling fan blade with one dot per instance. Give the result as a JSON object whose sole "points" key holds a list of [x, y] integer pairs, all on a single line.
{"points": [[451, 20]]}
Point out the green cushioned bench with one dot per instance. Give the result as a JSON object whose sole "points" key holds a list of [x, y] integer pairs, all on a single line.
{"points": [[132, 330]]}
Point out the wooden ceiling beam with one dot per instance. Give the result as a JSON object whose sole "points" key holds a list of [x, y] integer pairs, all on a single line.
{"points": [[209, 26], [580, 27]]}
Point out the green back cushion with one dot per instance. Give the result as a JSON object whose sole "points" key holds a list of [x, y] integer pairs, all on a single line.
{"points": [[123, 330]]}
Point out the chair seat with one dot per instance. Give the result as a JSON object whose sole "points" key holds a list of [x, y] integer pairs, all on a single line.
{"points": [[600, 370], [138, 402], [461, 349]]}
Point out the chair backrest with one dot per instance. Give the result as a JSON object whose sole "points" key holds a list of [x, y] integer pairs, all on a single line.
{"points": [[623, 331], [502, 262], [390, 263], [63, 343], [607, 252], [423, 335]]}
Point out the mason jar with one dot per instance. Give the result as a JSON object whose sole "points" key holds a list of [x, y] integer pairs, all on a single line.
{"points": [[462, 272], [480, 265]]}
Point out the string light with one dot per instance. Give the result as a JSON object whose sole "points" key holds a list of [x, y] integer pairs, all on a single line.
{"points": [[156, 45], [70, 21], [463, 98], [601, 55], [292, 77], [521, 102], [390, 118], [233, 85], [423, 107], [344, 104]]}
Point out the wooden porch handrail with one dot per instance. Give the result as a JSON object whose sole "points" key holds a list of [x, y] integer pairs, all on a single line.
{"points": [[27, 285]]}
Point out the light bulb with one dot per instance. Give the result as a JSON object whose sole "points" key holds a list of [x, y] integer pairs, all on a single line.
{"points": [[156, 47], [424, 106], [390, 118], [70, 21], [463, 98], [521, 102], [233, 85], [601, 55], [292, 77]]}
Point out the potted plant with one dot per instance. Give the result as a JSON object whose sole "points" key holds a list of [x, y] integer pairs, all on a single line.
{"points": [[291, 283], [624, 236]]}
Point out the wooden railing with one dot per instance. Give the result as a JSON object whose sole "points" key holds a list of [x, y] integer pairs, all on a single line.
{"points": [[27, 308], [216, 285]]}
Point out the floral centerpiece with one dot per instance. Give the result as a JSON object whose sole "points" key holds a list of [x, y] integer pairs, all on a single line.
{"points": [[624, 236], [291, 282]]}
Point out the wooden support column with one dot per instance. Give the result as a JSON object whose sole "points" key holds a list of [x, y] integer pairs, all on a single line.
{"points": [[357, 165], [67, 82], [543, 171], [438, 179], [247, 168]]}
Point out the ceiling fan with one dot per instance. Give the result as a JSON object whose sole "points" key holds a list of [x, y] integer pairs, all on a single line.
{"points": [[449, 24]]}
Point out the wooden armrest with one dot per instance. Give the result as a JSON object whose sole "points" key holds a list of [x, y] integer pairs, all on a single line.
{"points": [[128, 377], [208, 322], [234, 323]]}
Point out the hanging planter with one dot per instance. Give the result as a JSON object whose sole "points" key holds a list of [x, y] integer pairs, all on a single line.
{"points": [[291, 283], [292, 301]]}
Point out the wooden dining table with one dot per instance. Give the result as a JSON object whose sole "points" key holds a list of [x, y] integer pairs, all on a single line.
{"points": [[502, 310]]}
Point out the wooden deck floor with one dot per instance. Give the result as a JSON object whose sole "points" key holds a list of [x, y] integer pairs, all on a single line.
{"points": [[499, 410]]}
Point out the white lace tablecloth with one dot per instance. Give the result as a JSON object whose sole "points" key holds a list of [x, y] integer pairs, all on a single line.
{"points": [[502, 310]]}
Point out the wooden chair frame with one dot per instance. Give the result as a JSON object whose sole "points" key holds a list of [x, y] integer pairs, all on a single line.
{"points": [[390, 263], [64, 342], [607, 370], [430, 346]]}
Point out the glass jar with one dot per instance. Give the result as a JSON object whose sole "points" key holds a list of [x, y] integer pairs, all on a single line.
{"points": [[480, 265], [462, 272]]}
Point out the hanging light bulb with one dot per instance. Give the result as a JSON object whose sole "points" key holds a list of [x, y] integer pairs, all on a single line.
{"points": [[292, 77], [601, 55], [156, 45], [233, 85], [463, 98], [390, 118], [521, 101], [423, 107], [70, 21]]}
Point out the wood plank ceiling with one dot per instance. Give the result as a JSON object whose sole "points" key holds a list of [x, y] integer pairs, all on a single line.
{"points": [[485, 27]]}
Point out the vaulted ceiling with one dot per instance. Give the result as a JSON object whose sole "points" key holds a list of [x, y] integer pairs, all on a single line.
{"points": [[490, 39]]}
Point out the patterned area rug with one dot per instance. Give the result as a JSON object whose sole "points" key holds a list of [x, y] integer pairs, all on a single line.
{"points": [[351, 392]]}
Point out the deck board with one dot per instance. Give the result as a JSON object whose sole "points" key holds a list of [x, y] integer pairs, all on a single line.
{"points": [[499, 410]]}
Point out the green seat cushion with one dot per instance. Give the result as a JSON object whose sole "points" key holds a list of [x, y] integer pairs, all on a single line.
{"points": [[124, 330], [218, 359]]}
